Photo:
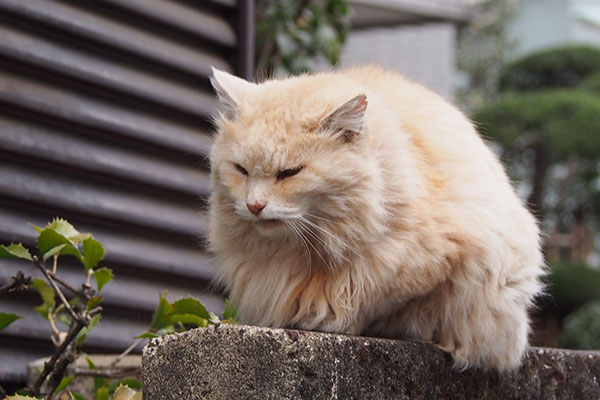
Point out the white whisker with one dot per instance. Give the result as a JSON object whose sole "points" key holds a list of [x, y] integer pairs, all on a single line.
{"points": [[303, 241], [339, 240], [318, 239], [323, 219]]}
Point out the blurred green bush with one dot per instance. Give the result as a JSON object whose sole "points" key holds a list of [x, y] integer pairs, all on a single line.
{"points": [[581, 329], [591, 83], [572, 284], [565, 120], [559, 67], [546, 121]]}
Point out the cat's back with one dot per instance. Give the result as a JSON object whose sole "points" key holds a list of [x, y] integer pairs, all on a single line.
{"points": [[422, 114], [460, 173], [408, 118]]}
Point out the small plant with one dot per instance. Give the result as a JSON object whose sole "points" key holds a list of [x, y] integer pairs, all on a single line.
{"points": [[73, 312]]}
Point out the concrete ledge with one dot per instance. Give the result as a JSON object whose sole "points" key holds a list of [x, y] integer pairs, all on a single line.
{"points": [[243, 362]]}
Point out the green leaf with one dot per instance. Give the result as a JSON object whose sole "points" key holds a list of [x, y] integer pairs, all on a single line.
{"points": [[37, 228], [191, 306], [124, 393], [163, 308], [47, 292], [65, 318], [15, 250], [187, 311], [54, 250], [187, 319], [93, 252], [102, 393], [80, 338], [93, 302], [49, 239], [129, 382], [48, 297], [90, 363], [77, 396], [147, 335], [63, 227], [99, 382], [102, 276], [80, 237], [7, 319], [24, 392], [66, 381], [22, 397], [230, 311], [214, 318]]}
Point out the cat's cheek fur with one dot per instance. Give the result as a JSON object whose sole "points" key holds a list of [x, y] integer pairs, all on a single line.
{"points": [[421, 233]]}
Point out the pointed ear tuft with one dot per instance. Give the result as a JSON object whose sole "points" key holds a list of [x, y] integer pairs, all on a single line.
{"points": [[346, 121], [230, 90]]}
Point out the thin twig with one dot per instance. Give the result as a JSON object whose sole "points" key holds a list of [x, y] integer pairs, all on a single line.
{"points": [[67, 286], [58, 371], [94, 310], [125, 352], [55, 266], [76, 326], [56, 289], [110, 373], [89, 276], [54, 328]]}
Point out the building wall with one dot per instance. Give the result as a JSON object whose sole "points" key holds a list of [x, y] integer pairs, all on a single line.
{"points": [[424, 53], [540, 24], [585, 21], [104, 120]]}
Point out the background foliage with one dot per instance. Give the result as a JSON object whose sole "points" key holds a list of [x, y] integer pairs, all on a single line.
{"points": [[551, 68], [73, 312], [546, 120], [293, 34]]}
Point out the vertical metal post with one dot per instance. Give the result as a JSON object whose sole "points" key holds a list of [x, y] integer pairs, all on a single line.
{"points": [[245, 33]]}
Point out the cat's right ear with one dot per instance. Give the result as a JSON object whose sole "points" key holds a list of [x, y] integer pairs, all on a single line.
{"points": [[347, 121], [230, 90]]}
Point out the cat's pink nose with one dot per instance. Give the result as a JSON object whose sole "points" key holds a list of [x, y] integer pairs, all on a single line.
{"points": [[255, 208]]}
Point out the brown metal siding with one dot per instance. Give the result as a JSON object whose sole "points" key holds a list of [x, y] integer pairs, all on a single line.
{"points": [[104, 109]]}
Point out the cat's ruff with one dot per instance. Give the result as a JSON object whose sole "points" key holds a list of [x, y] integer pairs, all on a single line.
{"points": [[398, 221]]}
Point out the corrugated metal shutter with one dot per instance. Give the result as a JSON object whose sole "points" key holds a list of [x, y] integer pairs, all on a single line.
{"points": [[104, 109]]}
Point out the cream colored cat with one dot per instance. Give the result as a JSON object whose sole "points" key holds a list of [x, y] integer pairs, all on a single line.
{"points": [[360, 203]]}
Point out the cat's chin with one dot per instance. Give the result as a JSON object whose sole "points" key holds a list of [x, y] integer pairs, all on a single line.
{"points": [[269, 227]]}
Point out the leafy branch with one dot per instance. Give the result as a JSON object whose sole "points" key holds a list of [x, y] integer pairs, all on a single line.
{"points": [[79, 309], [81, 313]]}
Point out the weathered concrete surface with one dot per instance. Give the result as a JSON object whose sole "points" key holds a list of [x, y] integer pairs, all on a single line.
{"points": [[242, 362]]}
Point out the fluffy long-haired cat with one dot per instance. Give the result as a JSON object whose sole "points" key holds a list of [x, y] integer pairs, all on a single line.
{"points": [[358, 202]]}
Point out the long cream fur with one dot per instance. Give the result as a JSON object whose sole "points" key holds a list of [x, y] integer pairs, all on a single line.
{"points": [[401, 222]]}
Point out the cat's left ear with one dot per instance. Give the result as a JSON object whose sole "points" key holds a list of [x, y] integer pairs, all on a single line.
{"points": [[230, 90], [347, 121]]}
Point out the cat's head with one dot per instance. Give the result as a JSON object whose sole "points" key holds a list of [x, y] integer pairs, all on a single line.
{"points": [[288, 153]]}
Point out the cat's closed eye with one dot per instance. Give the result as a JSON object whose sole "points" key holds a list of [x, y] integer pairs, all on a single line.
{"points": [[286, 173], [241, 169]]}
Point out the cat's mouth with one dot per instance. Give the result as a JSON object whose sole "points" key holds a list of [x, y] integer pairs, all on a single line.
{"points": [[268, 223]]}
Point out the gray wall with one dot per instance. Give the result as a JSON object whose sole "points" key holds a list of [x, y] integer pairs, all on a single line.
{"points": [[540, 24], [104, 110], [424, 53]]}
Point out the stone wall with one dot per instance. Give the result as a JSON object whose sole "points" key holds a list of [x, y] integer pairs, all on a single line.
{"points": [[243, 362]]}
